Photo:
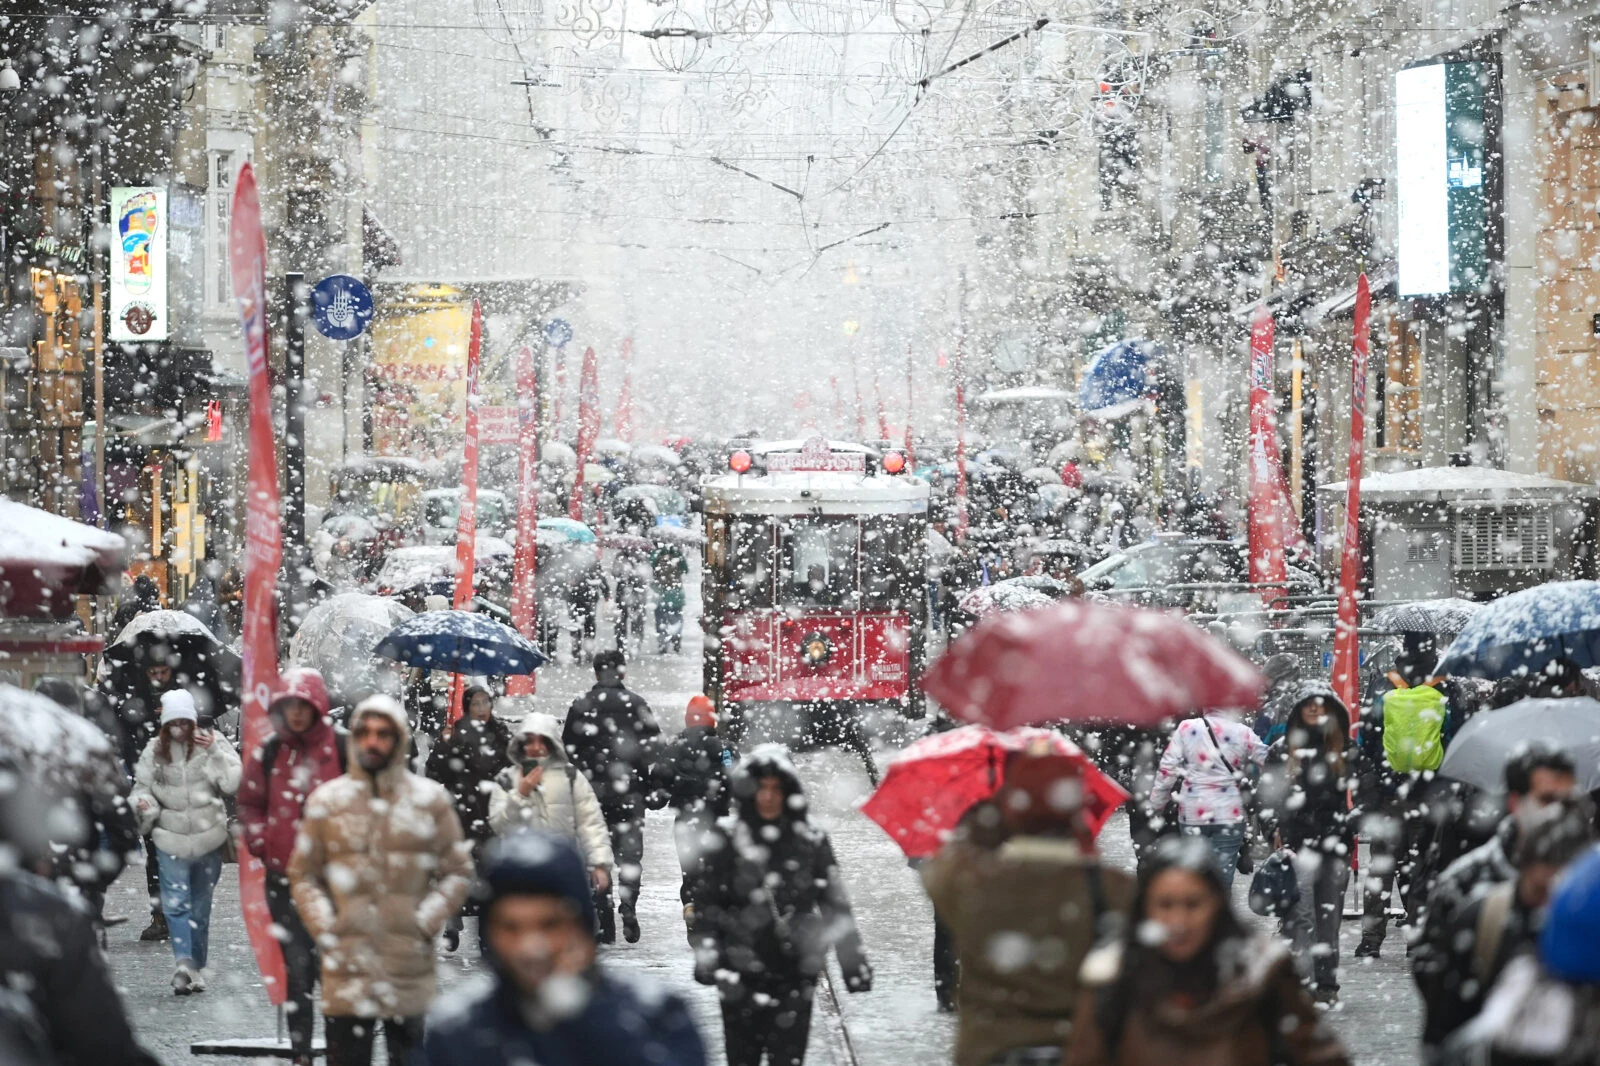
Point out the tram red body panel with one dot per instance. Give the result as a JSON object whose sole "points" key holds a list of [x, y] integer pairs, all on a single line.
{"points": [[869, 656]]}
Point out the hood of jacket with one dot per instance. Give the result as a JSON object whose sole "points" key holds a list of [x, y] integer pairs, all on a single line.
{"points": [[532, 863], [1316, 688], [768, 760], [300, 683], [538, 724], [396, 768]]}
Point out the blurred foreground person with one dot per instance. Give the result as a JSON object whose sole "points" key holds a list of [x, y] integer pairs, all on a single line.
{"points": [[1536, 776], [769, 907], [1545, 1010], [610, 734], [304, 751], [1502, 920], [1042, 885], [59, 1006], [180, 788], [379, 868], [1186, 985], [551, 1002]]}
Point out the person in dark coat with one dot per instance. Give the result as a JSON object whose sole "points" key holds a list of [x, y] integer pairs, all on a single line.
{"points": [[611, 735], [1500, 921], [465, 761], [691, 776], [106, 831], [60, 1008], [769, 906], [202, 605], [1304, 789], [304, 751], [551, 1002], [143, 597]]}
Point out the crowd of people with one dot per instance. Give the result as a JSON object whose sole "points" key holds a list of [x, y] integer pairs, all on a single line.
{"points": [[375, 853]]}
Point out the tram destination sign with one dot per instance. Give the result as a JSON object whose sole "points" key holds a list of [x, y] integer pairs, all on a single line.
{"points": [[815, 456]]}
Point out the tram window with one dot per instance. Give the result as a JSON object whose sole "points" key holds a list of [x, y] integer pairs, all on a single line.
{"points": [[749, 565], [889, 565], [819, 563]]}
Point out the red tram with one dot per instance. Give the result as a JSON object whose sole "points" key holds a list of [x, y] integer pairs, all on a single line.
{"points": [[815, 589]]}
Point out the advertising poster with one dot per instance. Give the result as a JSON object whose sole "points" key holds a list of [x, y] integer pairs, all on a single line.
{"points": [[138, 264]]}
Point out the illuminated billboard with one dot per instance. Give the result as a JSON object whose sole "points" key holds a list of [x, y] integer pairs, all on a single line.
{"points": [[139, 264], [1440, 123]]}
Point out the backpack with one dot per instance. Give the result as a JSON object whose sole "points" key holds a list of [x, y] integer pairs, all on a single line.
{"points": [[1413, 727]]}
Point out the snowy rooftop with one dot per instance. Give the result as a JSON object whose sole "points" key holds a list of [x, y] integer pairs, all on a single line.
{"points": [[1023, 394], [1442, 482]]}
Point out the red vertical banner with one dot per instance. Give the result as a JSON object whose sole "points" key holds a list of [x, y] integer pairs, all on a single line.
{"points": [[1346, 632], [588, 427], [961, 443], [467, 516], [1265, 518], [525, 567], [625, 396], [263, 552], [556, 414]]}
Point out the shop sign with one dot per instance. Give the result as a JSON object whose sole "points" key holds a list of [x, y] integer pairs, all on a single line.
{"points": [[139, 264]]}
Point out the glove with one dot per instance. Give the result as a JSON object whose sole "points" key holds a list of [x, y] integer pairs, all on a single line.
{"points": [[860, 978], [705, 964]]}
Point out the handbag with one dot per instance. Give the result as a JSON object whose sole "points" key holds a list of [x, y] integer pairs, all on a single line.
{"points": [[1274, 890], [1244, 862]]}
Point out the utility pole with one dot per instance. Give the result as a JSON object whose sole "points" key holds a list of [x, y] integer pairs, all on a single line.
{"points": [[296, 296]]}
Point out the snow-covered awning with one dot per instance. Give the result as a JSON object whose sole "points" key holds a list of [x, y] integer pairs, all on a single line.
{"points": [[46, 559], [1442, 484]]}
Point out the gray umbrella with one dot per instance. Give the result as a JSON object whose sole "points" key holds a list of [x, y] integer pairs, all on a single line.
{"points": [[1442, 617], [1478, 753]]}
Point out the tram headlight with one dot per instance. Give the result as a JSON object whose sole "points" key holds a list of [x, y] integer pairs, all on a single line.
{"points": [[815, 649]]}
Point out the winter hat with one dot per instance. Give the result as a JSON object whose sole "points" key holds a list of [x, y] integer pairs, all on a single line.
{"points": [[701, 712], [178, 706], [533, 863], [1569, 945]]}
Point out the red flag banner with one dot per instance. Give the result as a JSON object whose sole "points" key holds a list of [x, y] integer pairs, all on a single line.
{"points": [[1346, 635], [525, 569], [467, 516], [1265, 518], [625, 397], [588, 427], [263, 552]]}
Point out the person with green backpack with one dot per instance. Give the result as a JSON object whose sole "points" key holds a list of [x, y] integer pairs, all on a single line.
{"points": [[1400, 742]]}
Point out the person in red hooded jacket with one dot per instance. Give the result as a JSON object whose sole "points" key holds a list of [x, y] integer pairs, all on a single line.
{"points": [[305, 751]]}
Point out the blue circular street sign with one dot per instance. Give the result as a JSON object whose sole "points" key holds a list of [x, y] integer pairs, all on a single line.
{"points": [[341, 307], [558, 331]]}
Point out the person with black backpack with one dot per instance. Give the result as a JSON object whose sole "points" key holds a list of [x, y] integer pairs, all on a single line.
{"points": [[304, 751]]}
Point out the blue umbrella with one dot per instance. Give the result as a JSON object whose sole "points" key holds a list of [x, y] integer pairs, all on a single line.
{"points": [[1115, 380], [1521, 633], [462, 643], [569, 528]]}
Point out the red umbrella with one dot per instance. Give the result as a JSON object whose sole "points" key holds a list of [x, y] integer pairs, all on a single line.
{"points": [[1079, 661], [933, 782]]}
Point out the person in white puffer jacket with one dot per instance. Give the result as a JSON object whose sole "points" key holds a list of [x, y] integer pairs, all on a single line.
{"points": [[179, 786], [545, 791]]}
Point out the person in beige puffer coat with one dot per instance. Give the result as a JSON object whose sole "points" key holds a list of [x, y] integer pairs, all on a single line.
{"points": [[545, 791], [379, 867], [179, 786]]}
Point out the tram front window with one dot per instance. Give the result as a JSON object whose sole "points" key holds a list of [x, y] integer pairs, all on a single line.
{"points": [[819, 564]]}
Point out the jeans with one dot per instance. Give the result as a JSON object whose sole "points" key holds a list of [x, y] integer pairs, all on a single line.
{"points": [[299, 961], [775, 1023], [186, 888], [1225, 840], [669, 626], [350, 1039], [1314, 921]]}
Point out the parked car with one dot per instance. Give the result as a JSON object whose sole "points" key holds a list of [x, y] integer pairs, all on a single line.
{"points": [[1189, 573], [441, 510]]}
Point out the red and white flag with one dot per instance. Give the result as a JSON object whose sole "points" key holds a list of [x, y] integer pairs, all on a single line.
{"points": [[467, 516], [263, 549], [1346, 635], [525, 568], [1265, 517]]}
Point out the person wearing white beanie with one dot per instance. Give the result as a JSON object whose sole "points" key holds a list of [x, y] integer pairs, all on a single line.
{"points": [[179, 788]]}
